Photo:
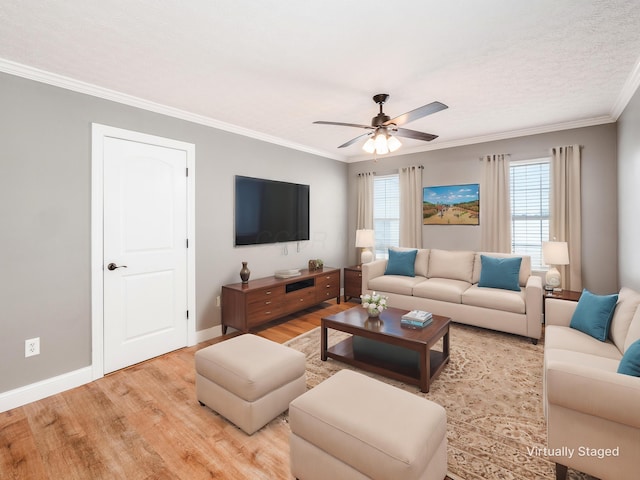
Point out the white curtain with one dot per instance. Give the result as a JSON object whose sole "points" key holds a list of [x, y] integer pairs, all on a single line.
{"points": [[364, 217], [410, 179], [565, 211], [495, 205]]}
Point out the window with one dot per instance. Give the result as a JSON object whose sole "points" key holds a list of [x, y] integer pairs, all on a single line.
{"points": [[386, 213], [530, 208]]}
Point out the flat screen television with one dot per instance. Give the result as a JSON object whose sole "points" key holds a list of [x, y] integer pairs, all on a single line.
{"points": [[269, 211]]}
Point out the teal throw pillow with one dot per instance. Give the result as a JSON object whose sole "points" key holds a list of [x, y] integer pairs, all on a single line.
{"points": [[593, 314], [500, 272], [401, 262], [630, 363]]}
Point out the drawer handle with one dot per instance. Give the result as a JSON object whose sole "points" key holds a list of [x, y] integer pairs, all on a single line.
{"points": [[268, 292], [302, 299], [360, 275], [267, 313], [328, 285], [267, 303]]}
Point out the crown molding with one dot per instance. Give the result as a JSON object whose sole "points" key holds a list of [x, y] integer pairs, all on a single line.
{"points": [[42, 76], [589, 122], [628, 91]]}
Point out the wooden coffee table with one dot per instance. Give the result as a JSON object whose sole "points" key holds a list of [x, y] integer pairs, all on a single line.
{"points": [[385, 347]]}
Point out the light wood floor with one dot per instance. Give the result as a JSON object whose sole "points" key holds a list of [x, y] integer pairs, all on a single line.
{"points": [[144, 422]]}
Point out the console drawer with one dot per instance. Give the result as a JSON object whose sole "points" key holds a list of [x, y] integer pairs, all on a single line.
{"points": [[328, 286]]}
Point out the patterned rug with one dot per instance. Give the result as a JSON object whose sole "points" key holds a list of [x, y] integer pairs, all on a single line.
{"points": [[492, 391]]}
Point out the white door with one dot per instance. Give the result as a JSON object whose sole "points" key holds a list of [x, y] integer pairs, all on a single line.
{"points": [[145, 251]]}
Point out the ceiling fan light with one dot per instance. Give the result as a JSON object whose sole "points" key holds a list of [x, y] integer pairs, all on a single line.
{"points": [[381, 144], [369, 146], [393, 143]]}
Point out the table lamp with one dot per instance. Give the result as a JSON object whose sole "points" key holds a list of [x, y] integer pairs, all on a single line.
{"points": [[553, 254], [365, 239]]}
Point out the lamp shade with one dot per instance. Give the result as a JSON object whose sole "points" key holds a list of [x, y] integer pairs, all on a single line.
{"points": [[393, 143], [365, 238], [381, 143], [369, 146], [555, 253]]}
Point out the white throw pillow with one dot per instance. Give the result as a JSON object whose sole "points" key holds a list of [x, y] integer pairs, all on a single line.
{"points": [[628, 301]]}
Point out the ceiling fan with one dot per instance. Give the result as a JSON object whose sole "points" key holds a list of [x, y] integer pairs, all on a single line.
{"points": [[384, 129]]}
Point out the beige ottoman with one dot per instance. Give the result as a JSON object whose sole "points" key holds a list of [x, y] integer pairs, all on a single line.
{"points": [[249, 380], [354, 427]]}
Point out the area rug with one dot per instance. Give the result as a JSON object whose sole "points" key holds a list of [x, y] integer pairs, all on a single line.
{"points": [[492, 392]]}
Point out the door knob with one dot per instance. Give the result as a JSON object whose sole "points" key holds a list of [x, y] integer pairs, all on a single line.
{"points": [[113, 266]]}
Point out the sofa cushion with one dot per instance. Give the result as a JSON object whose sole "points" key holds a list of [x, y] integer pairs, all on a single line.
{"points": [[452, 264], [628, 302], [564, 338], [580, 358], [495, 298], [593, 314], [401, 263], [394, 284], [525, 266], [500, 272], [630, 363], [422, 259], [443, 289]]}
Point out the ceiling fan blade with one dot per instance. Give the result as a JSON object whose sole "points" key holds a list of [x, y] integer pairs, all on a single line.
{"points": [[354, 140], [320, 122], [405, 132], [423, 111]]}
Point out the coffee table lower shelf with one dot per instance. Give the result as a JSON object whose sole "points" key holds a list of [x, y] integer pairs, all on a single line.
{"points": [[344, 352]]}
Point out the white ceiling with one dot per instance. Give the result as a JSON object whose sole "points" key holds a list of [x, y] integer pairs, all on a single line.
{"points": [[269, 68]]}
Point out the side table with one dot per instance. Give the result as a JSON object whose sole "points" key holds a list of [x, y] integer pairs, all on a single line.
{"points": [[564, 295], [570, 295], [352, 282]]}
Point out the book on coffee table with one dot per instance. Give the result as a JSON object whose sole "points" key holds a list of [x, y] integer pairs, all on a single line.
{"points": [[416, 319], [415, 324], [417, 316]]}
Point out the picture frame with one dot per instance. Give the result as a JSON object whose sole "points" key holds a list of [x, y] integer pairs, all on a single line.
{"points": [[451, 204]]}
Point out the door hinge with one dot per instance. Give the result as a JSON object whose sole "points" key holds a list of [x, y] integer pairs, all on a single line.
{"points": [[187, 314], [187, 243], [187, 169]]}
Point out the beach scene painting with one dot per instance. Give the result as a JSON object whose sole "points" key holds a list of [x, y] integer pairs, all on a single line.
{"points": [[451, 205]]}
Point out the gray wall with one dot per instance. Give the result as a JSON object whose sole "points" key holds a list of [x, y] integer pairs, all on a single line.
{"points": [[461, 165], [45, 238], [629, 193]]}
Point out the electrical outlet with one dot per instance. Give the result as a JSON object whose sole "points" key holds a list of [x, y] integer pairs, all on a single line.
{"points": [[32, 347], [218, 301]]}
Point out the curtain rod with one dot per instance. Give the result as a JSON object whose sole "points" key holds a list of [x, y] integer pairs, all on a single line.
{"points": [[366, 173], [490, 155]]}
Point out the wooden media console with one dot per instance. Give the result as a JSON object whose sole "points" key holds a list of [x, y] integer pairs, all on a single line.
{"points": [[246, 306]]}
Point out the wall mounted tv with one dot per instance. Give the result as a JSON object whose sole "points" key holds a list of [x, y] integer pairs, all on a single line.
{"points": [[268, 211]]}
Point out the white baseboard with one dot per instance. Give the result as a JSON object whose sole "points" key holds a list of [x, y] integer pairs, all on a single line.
{"points": [[208, 334], [45, 388]]}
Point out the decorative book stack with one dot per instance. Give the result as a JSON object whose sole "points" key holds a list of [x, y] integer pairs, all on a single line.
{"points": [[416, 319]]}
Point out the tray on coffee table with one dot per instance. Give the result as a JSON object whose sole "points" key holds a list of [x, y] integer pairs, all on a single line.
{"points": [[383, 346]]}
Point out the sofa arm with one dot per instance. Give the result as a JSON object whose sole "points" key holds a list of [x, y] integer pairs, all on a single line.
{"points": [[533, 301], [372, 270], [559, 312], [600, 393]]}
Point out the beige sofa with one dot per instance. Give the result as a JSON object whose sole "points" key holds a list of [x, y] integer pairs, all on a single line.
{"points": [[592, 412], [446, 283]]}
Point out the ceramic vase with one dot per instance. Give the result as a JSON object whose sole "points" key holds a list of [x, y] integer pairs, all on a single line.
{"points": [[373, 312], [244, 273]]}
